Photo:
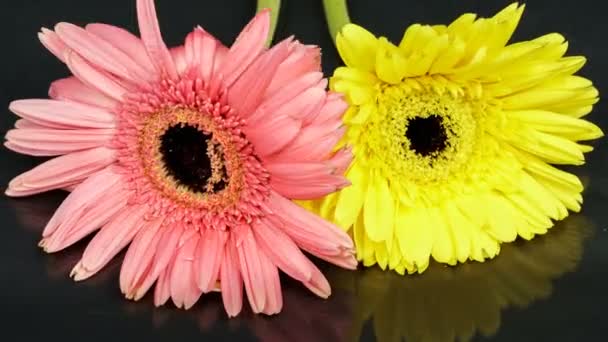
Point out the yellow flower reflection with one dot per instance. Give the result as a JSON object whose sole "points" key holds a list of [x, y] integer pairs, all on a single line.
{"points": [[456, 303]]}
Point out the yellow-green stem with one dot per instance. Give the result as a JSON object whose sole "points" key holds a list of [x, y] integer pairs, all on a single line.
{"points": [[275, 7], [336, 12]]}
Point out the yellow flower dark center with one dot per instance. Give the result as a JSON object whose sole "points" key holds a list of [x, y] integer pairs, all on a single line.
{"points": [[423, 135], [194, 158], [427, 136]]}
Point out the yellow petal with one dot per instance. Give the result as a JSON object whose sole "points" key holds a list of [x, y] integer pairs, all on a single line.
{"points": [[506, 21], [357, 85], [379, 210], [460, 231], [360, 114], [542, 97], [416, 36], [462, 26], [414, 233], [381, 254], [502, 223], [445, 61], [356, 94], [394, 257], [327, 207], [443, 249], [565, 126], [350, 199], [390, 64], [550, 148], [543, 170], [357, 47], [420, 62], [359, 237], [355, 75]]}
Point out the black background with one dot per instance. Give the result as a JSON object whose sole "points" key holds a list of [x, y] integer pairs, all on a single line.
{"points": [[39, 301]]}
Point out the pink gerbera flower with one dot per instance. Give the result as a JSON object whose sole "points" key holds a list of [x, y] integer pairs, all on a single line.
{"points": [[191, 156]]}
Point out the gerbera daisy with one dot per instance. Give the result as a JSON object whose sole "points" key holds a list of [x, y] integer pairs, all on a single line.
{"points": [[456, 304], [454, 134], [190, 155]]}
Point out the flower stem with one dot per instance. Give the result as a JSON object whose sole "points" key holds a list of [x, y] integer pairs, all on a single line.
{"points": [[275, 7], [336, 12]]}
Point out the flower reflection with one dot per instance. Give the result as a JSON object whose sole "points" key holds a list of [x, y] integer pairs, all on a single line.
{"points": [[443, 304], [304, 319], [456, 303]]}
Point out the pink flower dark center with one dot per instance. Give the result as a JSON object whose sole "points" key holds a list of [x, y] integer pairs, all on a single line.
{"points": [[190, 159], [194, 159]]}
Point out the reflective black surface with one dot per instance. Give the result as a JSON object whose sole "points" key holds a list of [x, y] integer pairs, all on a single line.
{"points": [[551, 289]]}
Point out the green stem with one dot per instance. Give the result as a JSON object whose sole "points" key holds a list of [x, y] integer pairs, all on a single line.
{"points": [[336, 12], [275, 7]]}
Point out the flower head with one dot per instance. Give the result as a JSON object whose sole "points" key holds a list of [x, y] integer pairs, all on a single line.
{"points": [[190, 155], [454, 132]]}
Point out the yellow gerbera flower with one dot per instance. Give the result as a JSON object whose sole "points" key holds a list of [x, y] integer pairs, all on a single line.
{"points": [[454, 133]]}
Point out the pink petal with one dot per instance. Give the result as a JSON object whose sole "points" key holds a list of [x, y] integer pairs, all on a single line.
{"points": [[310, 191], [193, 46], [295, 171], [88, 192], [184, 291], [71, 89], [100, 53], [208, 260], [271, 104], [312, 144], [204, 52], [94, 78], [140, 256], [307, 103], [230, 280], [318, 284], [124, 41], [152, 39], [23, 123], [35, 151], [52, 142], [61, 171], [61, 114], [341, 160], [53, 43], [83, 221], [179, 57], [281, 250], [248, 45], [251, 271], [270, 273], [333, 109], [272, 135], [162, 292], [167, 245], [221, 51], [88, 207], [304, 180], [306, 228], [247, 92], [302, 60], [110, 240]]}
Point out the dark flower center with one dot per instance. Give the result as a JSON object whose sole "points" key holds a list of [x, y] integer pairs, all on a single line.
{"points": [[427, 136], [194, 159]]}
